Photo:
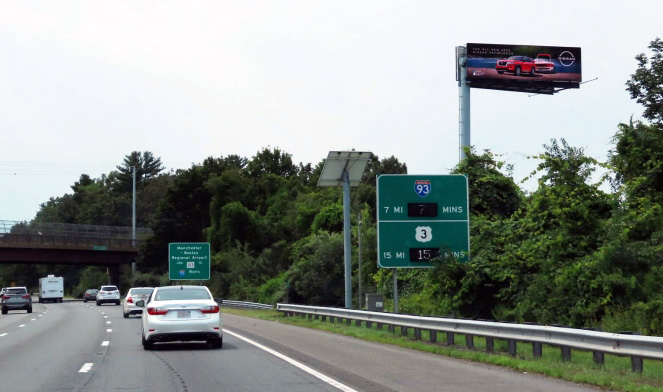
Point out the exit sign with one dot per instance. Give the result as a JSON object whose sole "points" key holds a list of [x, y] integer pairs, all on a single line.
{"points": [[420, 218], [189, 261]]}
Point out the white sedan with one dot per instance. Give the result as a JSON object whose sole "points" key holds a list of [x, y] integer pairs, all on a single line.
{"points": [[181, 314]]}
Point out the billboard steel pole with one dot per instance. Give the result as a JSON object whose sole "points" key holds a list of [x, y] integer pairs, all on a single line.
{"points": [[463, 101]]}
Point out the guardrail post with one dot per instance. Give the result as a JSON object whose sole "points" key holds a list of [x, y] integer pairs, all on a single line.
{"points": [[348, 321], [392, 328], [369, 324], [323, 318], [450, 339], [378, 325], [433, 335], [417, 333], [637, 364], [599, 358], [566, 353], [310, 317], [469, 341], [403, 331], [317, 317], [490, 345], [358, 323], [537, 350], [513, 350]]}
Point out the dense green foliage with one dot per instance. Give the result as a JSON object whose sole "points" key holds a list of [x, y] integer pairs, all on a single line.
{"points": [[569, 252]]}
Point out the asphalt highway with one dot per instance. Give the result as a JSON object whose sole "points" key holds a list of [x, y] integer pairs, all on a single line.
{"points": [[76, 346]]}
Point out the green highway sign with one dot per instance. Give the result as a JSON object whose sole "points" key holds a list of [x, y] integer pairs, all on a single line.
{"points": [[189, 261], [421, 217]]}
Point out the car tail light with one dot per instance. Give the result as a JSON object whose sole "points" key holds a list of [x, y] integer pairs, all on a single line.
{"points": [[210, 309], [130, 300], [156, 311], [25, 296], [5, 297]]}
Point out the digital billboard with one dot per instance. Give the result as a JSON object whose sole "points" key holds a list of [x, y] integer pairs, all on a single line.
{"points": [[523, 67]]}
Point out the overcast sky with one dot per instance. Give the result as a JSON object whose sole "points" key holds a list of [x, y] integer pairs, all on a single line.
{"points": [[84, 83]]}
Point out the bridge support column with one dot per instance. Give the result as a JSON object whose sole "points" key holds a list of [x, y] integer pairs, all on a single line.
{"points": [[114, 274]]}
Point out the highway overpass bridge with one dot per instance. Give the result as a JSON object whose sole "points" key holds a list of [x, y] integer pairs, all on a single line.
{"points": [[68, 244]]}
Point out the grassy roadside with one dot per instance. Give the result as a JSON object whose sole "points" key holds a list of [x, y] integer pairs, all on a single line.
{"points": [[616, 374]]}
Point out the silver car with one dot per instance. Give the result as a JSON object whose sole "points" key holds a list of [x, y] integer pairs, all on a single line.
{"points": [[16, 298], [181, 314], [134, 295]]}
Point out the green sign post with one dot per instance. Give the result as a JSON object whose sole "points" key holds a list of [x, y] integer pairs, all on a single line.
{"points": [[422, 217], [189, 261]]}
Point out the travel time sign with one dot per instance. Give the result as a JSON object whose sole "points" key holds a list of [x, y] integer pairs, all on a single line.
{"points": [[421, 218]]}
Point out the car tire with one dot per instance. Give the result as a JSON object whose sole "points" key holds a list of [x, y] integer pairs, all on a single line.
{"points": [[500, 72], [532, 72], [146, 345], [117, 303], [126, 315], [516, 71], [98, 303], [4, 310], [30, 309], [215, 343], [85, 300]]}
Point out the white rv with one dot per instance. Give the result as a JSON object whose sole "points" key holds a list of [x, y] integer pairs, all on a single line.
{"points": [[51, 288]]}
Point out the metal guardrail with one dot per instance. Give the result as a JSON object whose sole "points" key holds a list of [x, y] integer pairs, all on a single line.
{"points": [[242, 304], [635, 346]]}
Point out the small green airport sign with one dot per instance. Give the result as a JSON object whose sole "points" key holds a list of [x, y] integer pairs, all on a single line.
{"points": [[189, 261]]}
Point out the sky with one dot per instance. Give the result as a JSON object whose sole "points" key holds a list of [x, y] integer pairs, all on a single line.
{"points": [[85, 83]]}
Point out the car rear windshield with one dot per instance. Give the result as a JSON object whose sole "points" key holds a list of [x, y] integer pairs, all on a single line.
{"points": [[141, 291], [178, 294], [16, 291], [91, 291], [108, 288]]}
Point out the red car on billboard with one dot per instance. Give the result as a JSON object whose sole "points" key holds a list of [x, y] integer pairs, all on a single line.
{"points": [[516, 65], [544, 63]]}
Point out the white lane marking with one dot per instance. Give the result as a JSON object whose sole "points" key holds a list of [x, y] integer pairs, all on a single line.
{"points": [[109, 330], [105, 316], [4, 334], [300, 365], [108, 322], [86, 368], [40, 315], [105, 343], [33, 320], [21, 326]]}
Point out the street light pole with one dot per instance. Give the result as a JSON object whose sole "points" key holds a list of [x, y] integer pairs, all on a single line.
{"points": [[133, 217]]}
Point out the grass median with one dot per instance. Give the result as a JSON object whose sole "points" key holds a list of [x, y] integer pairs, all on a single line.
{"points": [[615, 374]]}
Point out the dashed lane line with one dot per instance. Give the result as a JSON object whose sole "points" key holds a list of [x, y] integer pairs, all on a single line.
{"points": [[86, 368]]}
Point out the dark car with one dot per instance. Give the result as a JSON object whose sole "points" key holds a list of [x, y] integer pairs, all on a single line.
{"points": [[90, 295], [516, 65], [16, 298]]}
